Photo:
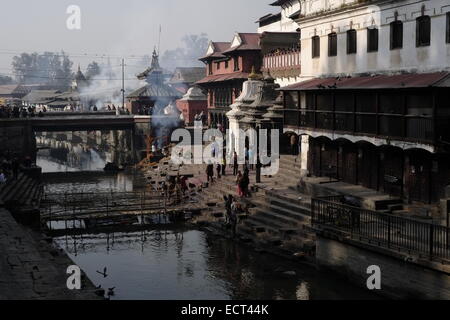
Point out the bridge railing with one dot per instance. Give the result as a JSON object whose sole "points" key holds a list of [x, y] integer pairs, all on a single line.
{"points": [[382, 230]]}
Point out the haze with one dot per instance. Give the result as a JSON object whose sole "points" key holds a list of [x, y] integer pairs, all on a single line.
{"points": [[117, 27]]}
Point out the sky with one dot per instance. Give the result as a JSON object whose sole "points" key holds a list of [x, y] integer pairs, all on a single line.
{"points": [[119, 27]]}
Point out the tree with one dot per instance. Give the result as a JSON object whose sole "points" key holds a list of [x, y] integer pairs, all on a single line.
{"points": [[5, 80], [194, 46], [48, 68], [92, 70]]}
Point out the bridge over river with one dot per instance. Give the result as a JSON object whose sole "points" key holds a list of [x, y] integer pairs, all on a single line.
{"points": [[17, 135]]}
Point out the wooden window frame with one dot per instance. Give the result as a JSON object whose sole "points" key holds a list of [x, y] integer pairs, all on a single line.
{"points": [[373, 39], [352, 43], [423, 37], [315, 46], [394, 45], [332, 44]]}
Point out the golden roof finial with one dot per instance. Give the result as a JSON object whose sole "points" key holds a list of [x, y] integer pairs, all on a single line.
{"points": [[253, 75]]}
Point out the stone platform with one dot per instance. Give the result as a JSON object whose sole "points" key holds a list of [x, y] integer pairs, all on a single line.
{"points": [[32, 268]]}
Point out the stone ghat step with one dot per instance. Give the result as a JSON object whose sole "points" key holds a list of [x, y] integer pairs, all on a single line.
{"points": [[388, 204], [256, 226], [294, 160], [277, 218], [24, 191], [11, 186], [290, 196], [299, 214]]}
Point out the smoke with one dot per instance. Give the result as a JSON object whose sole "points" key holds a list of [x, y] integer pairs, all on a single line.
{"points": [[106, 88], [166, 117]]}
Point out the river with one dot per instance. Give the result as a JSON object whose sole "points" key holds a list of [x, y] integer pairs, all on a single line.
{"points": [[179, 263]]}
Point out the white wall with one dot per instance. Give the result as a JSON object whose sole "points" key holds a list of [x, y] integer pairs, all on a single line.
{"points": [[286, 24], [433, 58]]}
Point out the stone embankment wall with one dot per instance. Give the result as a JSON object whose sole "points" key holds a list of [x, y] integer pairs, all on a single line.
{"points": [[400, 279]]}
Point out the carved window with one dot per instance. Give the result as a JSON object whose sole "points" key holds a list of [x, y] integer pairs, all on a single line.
{"points": [[316, 47], [396, 35], [372, 40], [448, 27], [332, 44], [423, 31], [351, 41]]}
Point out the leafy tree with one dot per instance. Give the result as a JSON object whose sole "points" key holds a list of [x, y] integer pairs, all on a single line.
{"points": [[47, 68], [93, 70], [194, 46], [5, 80]]}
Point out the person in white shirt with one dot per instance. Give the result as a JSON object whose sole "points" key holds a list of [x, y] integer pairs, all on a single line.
{"points": [[2, 178]]}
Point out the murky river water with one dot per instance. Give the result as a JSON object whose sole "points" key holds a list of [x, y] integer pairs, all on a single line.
{"points": [[184, 263]]}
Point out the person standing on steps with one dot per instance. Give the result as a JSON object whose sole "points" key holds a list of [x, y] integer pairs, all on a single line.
{"points": [[2, 178], [294, 144], [258, 170], [238, 183], [223, 165], [228, 201], [210, 172], [244, 183], [235, 164], [218, 170], [234, 218]]}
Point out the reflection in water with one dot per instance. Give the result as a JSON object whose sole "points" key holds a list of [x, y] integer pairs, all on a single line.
{"points": [[82, 151], [94, 182], [173, 264], [192, 265]]}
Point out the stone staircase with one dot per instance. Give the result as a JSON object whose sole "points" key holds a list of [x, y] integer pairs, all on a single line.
{"points": [[22, 198], [278, 215]]}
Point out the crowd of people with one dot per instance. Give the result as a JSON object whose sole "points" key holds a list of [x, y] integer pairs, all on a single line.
{"points": [[175, 188], [10, 167], [8, 111]]}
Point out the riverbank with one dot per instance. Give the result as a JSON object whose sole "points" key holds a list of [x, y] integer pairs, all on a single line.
{"points": [[32, 268]]}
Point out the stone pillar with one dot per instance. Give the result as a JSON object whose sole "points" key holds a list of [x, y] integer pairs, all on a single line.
{"points": [[304, 155], [250, 91]]}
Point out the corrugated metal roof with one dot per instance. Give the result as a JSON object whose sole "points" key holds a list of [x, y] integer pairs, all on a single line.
{"points": [[411, 80], [188, 75], [219, 48], [36, 96], [224, 77], [250, 41], [152, 90]]}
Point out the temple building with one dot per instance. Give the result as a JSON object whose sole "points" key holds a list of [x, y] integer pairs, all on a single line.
{"points": [[372, 107], [184, 78], [193, 105], [228, 65], [79, 82], [155, 95], [280, 43]]}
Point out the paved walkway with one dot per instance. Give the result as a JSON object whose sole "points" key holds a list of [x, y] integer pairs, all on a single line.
{"points": [[31, 268]]}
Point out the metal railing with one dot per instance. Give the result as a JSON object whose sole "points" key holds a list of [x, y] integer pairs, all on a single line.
{"points": [[382, 230]]}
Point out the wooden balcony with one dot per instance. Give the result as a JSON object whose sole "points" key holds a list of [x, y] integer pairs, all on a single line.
{"points": [[394, 116], [282, 60]]}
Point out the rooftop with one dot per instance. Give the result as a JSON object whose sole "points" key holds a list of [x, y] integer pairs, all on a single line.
{"points": [[188, 75], [381, 81]]}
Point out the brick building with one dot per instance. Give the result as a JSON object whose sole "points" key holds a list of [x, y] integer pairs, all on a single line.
{"points": [[228, 65], [194, 103]]}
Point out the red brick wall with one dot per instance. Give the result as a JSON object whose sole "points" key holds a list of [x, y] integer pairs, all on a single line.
{"points": [[191, 108], [247, 59]]}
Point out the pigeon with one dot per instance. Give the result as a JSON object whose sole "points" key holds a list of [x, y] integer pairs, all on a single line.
{"points": [[104, 274], [111, 292]]}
